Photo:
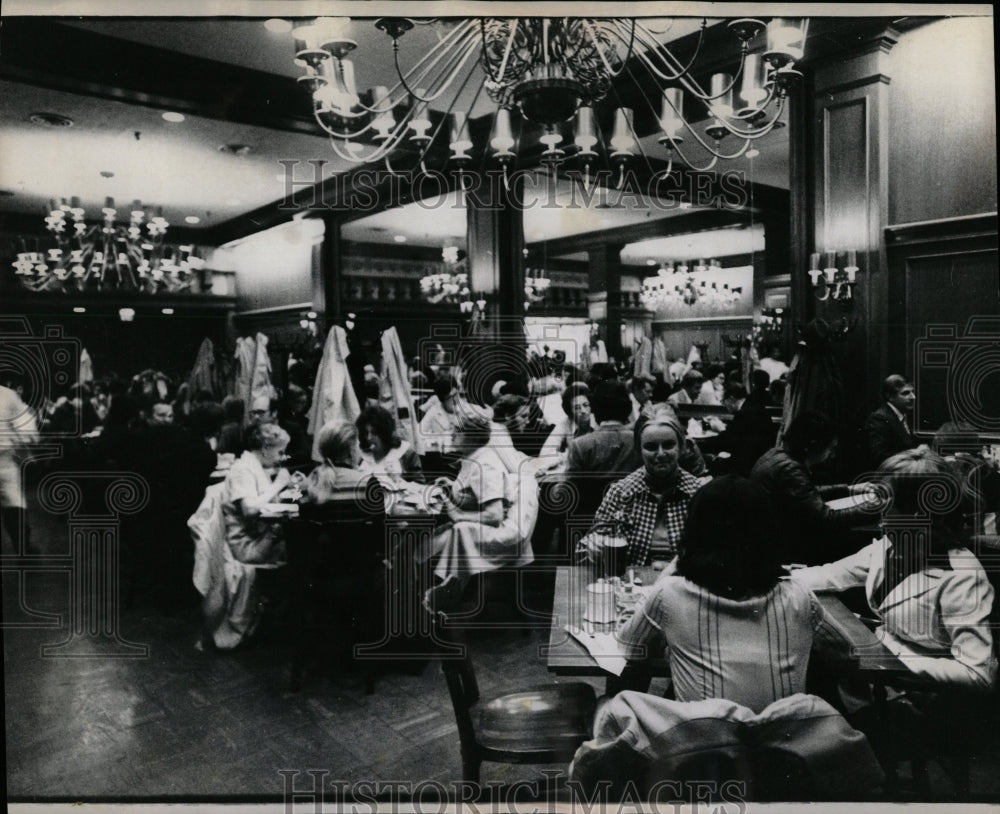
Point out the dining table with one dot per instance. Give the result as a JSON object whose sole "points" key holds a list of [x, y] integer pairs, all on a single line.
{"points": [[578, 647]]}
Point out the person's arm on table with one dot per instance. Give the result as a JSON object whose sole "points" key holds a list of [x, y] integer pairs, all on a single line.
{"points": [[248, 501], [643, 636], [849, 572]]}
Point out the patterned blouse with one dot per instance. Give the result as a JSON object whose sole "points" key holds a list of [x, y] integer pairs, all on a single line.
{"points": [[631, 509]]}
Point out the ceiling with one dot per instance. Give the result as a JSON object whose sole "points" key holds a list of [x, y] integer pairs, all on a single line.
{"points": [[119, 145]]}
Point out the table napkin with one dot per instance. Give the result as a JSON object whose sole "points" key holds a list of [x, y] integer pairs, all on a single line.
{"points": [[603, 647]]}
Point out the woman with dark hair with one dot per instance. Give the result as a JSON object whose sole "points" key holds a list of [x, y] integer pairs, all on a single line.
{"points": [[578, 420], [383, 452], [713, 388], [812, 532], [733, 628], [929, 591], [648, 507]]}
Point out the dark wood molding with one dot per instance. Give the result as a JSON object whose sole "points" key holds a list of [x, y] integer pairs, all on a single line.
{"points": [[108, 302], [942, 229]]}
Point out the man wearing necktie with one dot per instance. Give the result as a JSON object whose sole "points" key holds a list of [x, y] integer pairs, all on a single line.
{"points": [[888, 429]]}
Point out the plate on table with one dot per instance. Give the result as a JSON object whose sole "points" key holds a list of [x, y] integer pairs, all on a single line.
{"points": [[275, 509]]}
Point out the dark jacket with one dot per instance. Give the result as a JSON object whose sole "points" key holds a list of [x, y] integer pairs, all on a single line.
{"points": [[811, 532], [885, 435], [749, 435]]}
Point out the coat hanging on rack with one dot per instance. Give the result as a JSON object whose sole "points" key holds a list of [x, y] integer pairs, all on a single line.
{"points": [[396, 379], [334, 398]]}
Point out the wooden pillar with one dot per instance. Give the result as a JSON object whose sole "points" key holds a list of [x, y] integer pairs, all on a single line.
{"points": [[849, 184], [496, 260], [326, 272], [605, 301]]}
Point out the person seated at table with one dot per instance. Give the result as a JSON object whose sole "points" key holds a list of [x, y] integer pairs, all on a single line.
{"points": [[231, 434], [750, 433], [648, 507], [640, 396], [928, 591], [733, 628], [690, 389], [383, 452], [340, 470], [577, 421], [492, 504], [887, 430], [254, 480], [712, 389], [811, 532], [438, 423]]}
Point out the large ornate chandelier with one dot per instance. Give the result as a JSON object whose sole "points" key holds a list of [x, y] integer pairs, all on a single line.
{"points": [[107, 255], [450, 286], [681, 284], [549, 71]]}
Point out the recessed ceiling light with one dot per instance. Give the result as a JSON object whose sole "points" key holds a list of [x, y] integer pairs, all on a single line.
{"points": [[79, 309], [753, 152], [233, 202], [167, 311], [126, 314], [192, 219], [650, 261], [277, 25], [400, 238], [173, 116], [235, 149], [50, 120]]}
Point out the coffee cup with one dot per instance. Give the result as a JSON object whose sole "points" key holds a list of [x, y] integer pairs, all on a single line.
{"points": [[600, 603], [614, 555]]}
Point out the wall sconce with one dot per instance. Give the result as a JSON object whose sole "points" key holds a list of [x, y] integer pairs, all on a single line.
{"points": [[832, 282]]}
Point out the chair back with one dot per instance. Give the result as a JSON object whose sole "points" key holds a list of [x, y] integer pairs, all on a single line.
{"points": [[460, 675]]}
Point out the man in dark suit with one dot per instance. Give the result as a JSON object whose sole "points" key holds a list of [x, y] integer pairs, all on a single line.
{"points": [[888, 429]]}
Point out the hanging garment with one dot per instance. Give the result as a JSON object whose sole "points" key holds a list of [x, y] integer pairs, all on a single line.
{"points": [[86, 368], [246, 351], [814, 379], [334, 398], [659, 362], [204, 375], [643, 358], [396, 381], [260, 376]]}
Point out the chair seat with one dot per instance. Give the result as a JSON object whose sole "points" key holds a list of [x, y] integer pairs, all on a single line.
{"points": [[550, 717]]}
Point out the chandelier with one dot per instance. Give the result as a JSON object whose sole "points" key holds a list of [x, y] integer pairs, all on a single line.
{"points": [[107, 255], [681, 285], [536, 286], [451, 286], [549, 71]]}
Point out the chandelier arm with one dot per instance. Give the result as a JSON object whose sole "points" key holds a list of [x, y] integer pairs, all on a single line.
{"points": [[662, 52], [691, 165], [458, 60], [447, 113], [438, 52], [597, 47], [498, 78]]}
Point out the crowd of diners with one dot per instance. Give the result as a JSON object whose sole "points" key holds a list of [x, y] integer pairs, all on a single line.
{"points": [[742, 539]]}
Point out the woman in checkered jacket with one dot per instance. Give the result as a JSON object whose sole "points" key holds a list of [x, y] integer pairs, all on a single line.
{"points": [[649, 507]]}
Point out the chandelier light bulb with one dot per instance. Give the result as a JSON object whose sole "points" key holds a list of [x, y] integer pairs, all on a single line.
{"points": [[586, 131], [384, 121], [752, 90], [503, 140], [460, 142], [670, 119], [420, 124], [785, 42], [722, 95], [622, 139]]}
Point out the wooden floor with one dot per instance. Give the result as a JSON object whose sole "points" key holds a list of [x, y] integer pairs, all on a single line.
{"points": [[181, 724]]}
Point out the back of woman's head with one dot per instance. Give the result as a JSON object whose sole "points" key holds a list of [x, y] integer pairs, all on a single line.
{"points": [[808, 433], [337, 441], [506, 408], [924, 486], [264, 434], [475, 427], [729, 546], [233, 409]]}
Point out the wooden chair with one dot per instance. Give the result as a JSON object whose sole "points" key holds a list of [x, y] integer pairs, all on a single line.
{"points": [[336, 554], [542, 724]]}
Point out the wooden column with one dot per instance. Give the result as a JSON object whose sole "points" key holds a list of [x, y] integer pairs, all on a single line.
{"points": [[326, 271], [849, 182], [496, 260], [605, 301]]}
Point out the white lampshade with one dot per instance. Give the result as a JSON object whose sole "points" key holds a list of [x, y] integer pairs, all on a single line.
{"points": [[503, 139], [622, 139]]}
